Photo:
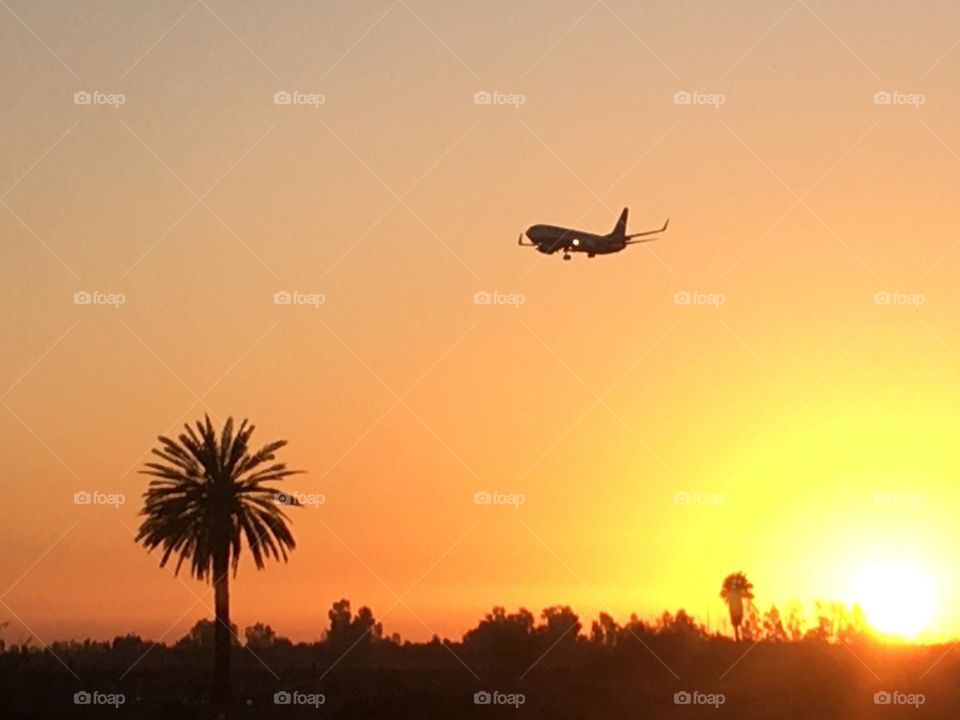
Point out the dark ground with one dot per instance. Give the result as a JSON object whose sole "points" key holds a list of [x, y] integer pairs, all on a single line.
{"points": [[766, 680]]}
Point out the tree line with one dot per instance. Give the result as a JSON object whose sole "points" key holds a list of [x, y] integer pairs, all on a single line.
{"points": [[212, 497]]}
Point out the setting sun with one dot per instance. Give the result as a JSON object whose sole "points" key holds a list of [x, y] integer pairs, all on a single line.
{"points": [[898, 598]]}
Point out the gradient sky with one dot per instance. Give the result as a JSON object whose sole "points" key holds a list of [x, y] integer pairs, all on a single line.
{"points": [[799, 399]]}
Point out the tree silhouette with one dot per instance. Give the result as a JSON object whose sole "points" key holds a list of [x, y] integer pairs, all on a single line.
{"points": [[501, 636], [561, 624], [203, 635], [604, 630], [682, 627], [736, 588], [773, 629], [207, 495], [261, 637], [348, 630]]}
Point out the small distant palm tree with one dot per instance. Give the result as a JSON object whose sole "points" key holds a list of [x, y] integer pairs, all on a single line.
{"points": [[207, 495], [736, 588]]}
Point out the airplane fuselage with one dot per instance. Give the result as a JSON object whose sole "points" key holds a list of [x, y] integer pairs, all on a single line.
{"points": [[550, 238]]}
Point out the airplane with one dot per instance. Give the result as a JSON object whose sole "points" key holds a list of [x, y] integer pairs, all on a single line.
{"points": [[550, 238]]}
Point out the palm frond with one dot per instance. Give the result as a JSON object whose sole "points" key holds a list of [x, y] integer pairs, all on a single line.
{"points": [[208, 496]]}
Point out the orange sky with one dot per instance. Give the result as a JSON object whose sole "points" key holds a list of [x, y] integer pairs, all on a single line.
{"points": [[797, 199]]}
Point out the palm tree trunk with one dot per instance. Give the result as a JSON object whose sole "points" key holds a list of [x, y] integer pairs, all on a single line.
{"points": [[222, 631]]}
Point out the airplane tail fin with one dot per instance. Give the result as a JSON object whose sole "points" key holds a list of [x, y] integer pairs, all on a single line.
{"points": [[620, 229]]}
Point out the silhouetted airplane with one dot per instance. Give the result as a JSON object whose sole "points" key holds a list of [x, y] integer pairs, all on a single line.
{"points": [[550, 238]]}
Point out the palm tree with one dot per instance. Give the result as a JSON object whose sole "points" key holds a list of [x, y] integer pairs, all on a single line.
{"points": [[209, 493], [736, 588]]}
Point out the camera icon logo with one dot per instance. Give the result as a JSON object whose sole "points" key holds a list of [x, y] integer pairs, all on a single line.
{"points": [[82, 498], [82, 698], [282, 297], [82, 98], [482, 498], [482, 298], [282, 97], [882, 697], [482, 698], [682, 698], [682, 498], [681, 298], [82, 297], [482, 97], [881, 298], [882, 97], [282, 697], [682, 97]]}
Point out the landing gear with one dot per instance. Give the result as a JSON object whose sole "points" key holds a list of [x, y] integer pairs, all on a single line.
{"points": [[566, 256]]}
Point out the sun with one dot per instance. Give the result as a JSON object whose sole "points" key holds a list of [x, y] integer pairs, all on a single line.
{"points": [[898, 598]]}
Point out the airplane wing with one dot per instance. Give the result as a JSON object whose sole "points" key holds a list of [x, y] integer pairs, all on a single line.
{"points": [[549, 247], [630, 241]]}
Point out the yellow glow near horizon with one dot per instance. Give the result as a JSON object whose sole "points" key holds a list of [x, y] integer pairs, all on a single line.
{"points": [[898, 598]]}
